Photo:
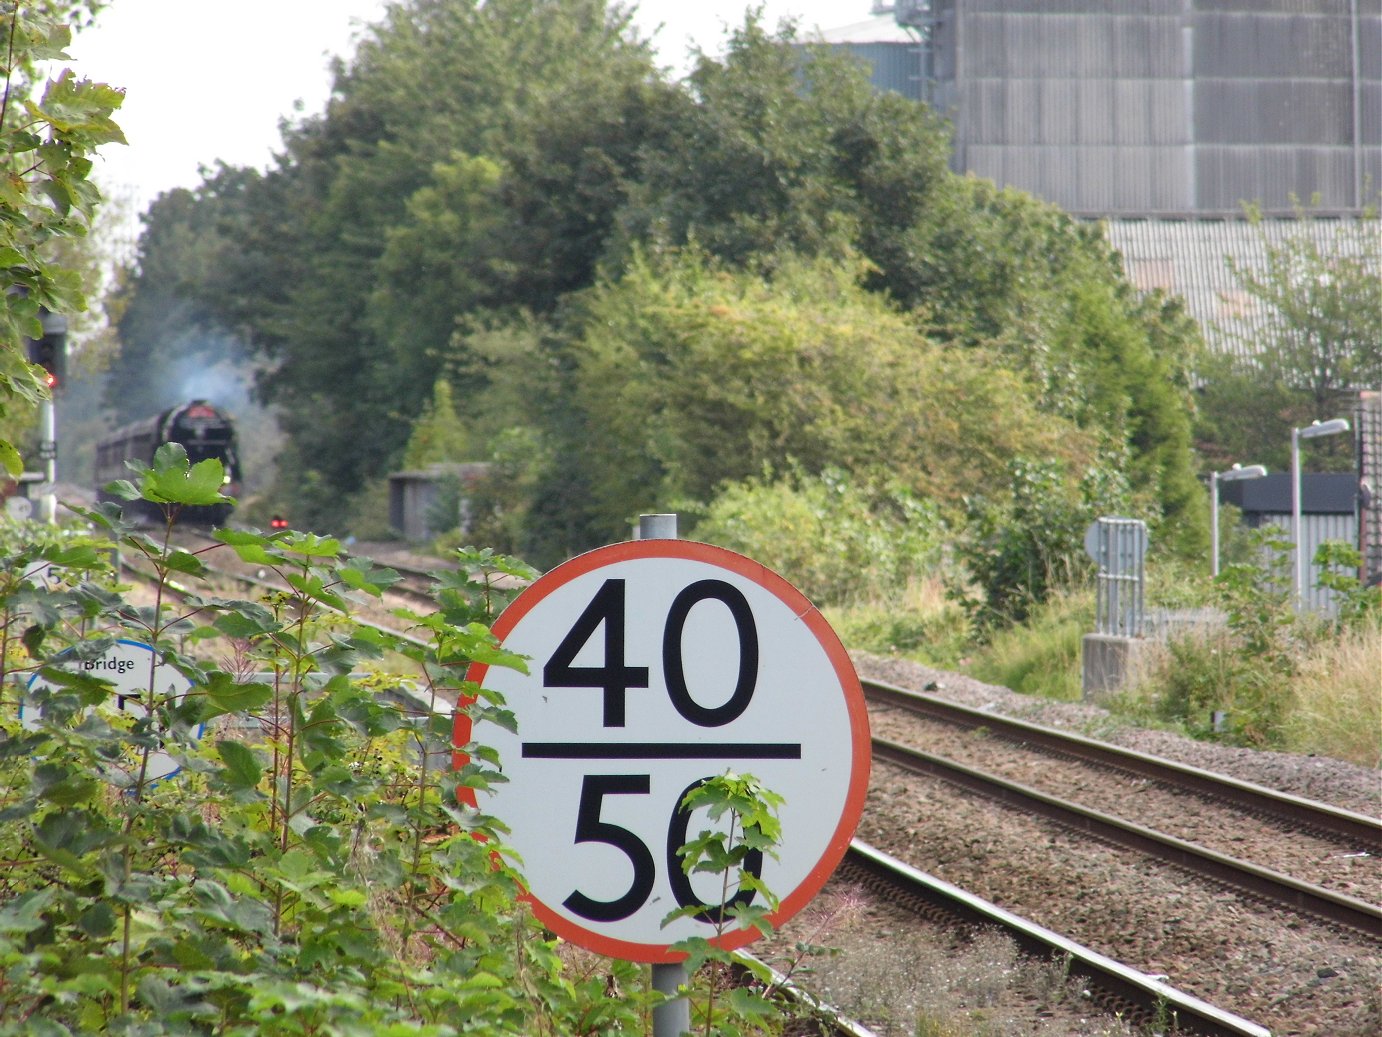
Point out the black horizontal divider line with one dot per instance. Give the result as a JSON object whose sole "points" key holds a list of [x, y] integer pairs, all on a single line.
{"points": [[661, 750]]}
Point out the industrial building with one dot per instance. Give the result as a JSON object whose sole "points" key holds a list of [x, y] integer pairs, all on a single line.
{"points": [[1164, 120]]}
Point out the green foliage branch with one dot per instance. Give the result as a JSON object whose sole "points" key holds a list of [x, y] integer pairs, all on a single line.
{"points": [[1023, 539], [310, 869], [843, 542], [47, 136], [744, 826], [1317, 341], [1246, 673]]}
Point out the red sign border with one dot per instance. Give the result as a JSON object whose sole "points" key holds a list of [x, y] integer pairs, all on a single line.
{"points": [[860, 741]]}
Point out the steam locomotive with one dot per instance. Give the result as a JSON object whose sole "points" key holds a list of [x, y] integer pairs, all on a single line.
{"points": [[204, 432]]}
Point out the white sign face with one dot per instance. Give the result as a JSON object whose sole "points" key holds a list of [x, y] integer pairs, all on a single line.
{"points": [[126, 665], [19, 508], [654, 665]]}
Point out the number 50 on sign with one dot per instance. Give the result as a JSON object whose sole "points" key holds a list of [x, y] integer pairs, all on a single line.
{"points": [[654, 665]]}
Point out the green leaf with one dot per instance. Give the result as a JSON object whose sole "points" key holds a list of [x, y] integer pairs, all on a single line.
{"points": [[227, 696], [184, 562], [24, 913], [247, 621], [242, 769], [9, 457], [98, 920], [172, 481], [751, 1004], [251, 546]]}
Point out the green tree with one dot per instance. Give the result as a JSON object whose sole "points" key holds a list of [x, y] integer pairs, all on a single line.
{"points": [[448, 210], [1000, 269], [48, 132], [394, 214], [1323, 334], [438, 435], [782, 148], [686, 375], [1320, 341]]}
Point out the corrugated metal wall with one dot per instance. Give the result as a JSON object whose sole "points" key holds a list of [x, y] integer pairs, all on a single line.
{"points": [[1165, 106], [1315, 530]]}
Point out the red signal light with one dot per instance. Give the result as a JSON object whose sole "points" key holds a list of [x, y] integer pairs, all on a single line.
{"points": [[278, 522]]}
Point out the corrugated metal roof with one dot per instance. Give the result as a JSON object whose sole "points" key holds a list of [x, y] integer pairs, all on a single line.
{"points": [[1190, 259]]}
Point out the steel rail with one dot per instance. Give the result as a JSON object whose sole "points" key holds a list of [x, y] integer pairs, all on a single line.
{"points": [[1280, 889], [1361, 831], [1150, 996]]}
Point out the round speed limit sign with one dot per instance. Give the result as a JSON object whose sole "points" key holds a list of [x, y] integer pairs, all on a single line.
{"points": [[654, 665]]}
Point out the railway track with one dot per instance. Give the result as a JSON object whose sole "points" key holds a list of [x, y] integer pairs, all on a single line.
{"points": [[1120, 989], [1354, 828], [1329, 835], [1285, 931], [1348, 833]]}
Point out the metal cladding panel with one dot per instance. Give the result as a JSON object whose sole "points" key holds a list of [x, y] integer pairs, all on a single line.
{"points": [[1058, 110], [893, 66], [1370, 56], [1334, 7], [1315, 530], [1370, 120], [1369, 432], [1251, 99], [1246, 45], [1067, 46], [1131, 7], [1061, 112], [1321, 493], [1113, 178], [1273, 111], [1152, 112], [1226, 177]]}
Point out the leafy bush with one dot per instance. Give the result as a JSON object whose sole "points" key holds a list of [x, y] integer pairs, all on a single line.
{"points": [[1243, 683], [310, 869], [303, 859], [837, 541], [1025, 539]]}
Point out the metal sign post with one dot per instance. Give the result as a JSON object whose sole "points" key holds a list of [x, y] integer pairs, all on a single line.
{"points": [[48, 454], [672, 1018]]}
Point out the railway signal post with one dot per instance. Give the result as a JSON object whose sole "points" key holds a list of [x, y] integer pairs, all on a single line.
{"points": [[653, 665]]}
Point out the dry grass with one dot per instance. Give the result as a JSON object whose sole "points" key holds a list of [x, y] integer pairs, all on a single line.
{"points": [[1337, 710]]}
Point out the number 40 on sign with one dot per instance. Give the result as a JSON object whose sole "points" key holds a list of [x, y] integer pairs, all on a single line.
{"points": [[654, 665]]}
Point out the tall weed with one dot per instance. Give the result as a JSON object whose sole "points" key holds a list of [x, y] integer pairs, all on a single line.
{"points": [[924, 624], [1337, 706], [1042, 656]]}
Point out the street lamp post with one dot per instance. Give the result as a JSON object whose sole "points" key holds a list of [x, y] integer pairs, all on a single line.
{"points": [[1311, 431], [1255, 471]]}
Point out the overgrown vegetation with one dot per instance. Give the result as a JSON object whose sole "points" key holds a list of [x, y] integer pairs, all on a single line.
{"points": [[49, 130], [252, 838], [1246, 683], [1250, 671]]}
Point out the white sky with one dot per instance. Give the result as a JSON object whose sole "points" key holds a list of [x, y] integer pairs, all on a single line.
{"points": [[210, 79]]}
